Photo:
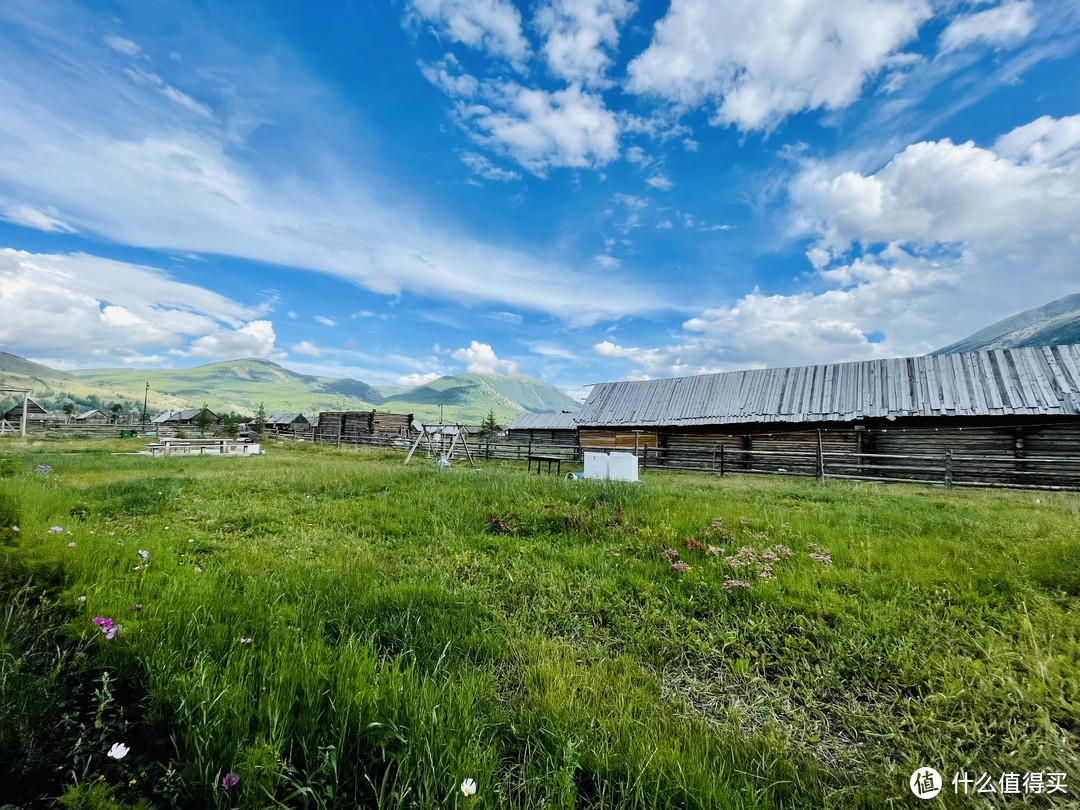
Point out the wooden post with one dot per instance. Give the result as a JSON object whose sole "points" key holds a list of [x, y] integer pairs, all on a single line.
{"points": [[645, 457], [948, 469], [721, 461], [25, 405], [820, 460]]}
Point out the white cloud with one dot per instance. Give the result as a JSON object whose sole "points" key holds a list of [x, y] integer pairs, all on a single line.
{"points": [[32, 218], [414, 380], [577, 35], [660, 181], [758, 62], [690, 145], [116, 160], [447, 75], [605, 262], [325, 321], [362, 314], [635, 154], [480, 357], [486, 169], [943, 240], [124, 46], [145, 77], [96, 311], [492, 26], [254, 339], [306, 347], [1006, 24], [505, 317], [542, 130]]}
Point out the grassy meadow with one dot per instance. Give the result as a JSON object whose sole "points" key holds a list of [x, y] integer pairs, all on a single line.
{"points": [[331, 629]]}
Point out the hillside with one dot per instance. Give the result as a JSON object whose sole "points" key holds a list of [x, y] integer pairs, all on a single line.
{"points": [[469, 397], [1053, 324], [241, 385]]}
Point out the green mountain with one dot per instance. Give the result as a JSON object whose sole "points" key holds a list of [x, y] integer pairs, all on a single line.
{"points": [[1055, 324], [468, 398], [241, 385]]}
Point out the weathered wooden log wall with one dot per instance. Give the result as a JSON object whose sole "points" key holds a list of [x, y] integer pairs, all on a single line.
{"points": [[623, 439], [356, 425]]}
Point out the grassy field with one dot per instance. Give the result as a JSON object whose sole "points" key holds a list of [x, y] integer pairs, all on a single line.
{"points": [[328, 628]]}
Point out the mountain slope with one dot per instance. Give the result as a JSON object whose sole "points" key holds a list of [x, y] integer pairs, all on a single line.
{"points": [[469, 397], [1053, 324], [241, 385]]}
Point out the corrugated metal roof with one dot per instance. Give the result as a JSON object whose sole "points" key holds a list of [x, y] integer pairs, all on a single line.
{"points": [[1041, 381], [543, 421]]}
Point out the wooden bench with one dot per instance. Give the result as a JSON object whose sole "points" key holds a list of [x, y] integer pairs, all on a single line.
{"points": [[540, 458]]}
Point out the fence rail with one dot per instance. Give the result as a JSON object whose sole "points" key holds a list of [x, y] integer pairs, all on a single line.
{"points": [[946, 469]]}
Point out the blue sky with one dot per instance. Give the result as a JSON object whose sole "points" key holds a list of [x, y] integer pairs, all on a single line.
{"points": [[579, 190]]}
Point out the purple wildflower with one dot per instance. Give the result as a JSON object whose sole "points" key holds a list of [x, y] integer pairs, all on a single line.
{"points": [[55, 529], [144, 554], [669, 554], [44, 468], [71, 544], [732, 584], [229, 780], [106, 625], [680, 567]]}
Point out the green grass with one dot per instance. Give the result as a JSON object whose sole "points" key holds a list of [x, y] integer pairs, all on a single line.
{"points": [[412, 627]]}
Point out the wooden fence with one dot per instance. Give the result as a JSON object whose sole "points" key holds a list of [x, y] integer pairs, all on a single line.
{"points": [[947, 469]]}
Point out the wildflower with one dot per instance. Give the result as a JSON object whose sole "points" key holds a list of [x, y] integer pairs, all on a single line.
{"points": [[669, 554], [229, 780], [197, 569], [824, 559], [82, 599], [107, 627], [44, 468], [118, 750], [137, 606], [244, 640], [144, 554], [783, 552], [71, 544], [692, 544], [732, 584], [680, 567], [55, 529], [15, 528], [714, 551], [468, 787]]}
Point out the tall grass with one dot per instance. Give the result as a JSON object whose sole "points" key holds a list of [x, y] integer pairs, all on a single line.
{"points": [[410, 627]]}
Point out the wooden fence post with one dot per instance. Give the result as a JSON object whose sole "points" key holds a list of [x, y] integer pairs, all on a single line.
{"points": [[948, 469], [721, 461], [820, 460]]}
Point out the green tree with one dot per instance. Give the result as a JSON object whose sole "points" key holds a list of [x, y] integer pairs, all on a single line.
{"points": [[489, 429], [69, 409], [116, 408], [231, 424], [259, 425], [202, 421]]}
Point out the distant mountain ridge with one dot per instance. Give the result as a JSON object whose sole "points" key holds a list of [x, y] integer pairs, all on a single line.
{"points": [[1053, 324], [241, 385]]}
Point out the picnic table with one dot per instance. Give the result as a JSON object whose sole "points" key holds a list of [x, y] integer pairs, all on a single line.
{"points": [[540, 458]]}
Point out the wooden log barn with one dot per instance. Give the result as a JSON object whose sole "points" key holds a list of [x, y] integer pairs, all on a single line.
{"points": [[1000, 417]]}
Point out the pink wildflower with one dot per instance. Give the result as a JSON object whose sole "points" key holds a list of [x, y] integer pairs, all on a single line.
{"points": [[680, 567], [229, 780]]}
